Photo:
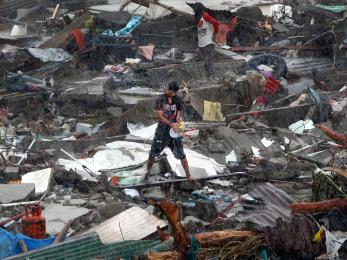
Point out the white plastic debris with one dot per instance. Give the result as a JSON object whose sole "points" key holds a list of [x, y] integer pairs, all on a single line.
{"points": [[256, 152], [286, 140], [132, 61], [231, 157], [49, 54], [140, 131], [41, 179], [222, 183], [18, 30], [301, 126], [131, 192], [281, 13], [333, 242], [266, 142]]}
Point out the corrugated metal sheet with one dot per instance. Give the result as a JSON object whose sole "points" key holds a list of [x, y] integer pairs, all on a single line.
{"points": [[305, 65], [8, 7], [89, 247], [269, 204], [286, 234], [132, 224]]}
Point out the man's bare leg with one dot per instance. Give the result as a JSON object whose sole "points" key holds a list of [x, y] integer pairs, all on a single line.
{"points": [[150, 163], [185, 166]]}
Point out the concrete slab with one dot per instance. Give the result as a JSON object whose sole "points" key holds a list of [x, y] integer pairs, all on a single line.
{"points": [[58, 215], [41, 179], [16, 192]]}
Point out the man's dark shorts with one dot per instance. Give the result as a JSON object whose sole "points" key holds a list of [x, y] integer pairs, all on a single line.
{"points": [[163, 139]]}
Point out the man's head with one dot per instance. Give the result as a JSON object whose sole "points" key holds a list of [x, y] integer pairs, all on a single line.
{"points": [[172, 89]]}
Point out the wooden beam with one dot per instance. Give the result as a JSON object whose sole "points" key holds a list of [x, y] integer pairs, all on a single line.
{"points": [[320, 206]]}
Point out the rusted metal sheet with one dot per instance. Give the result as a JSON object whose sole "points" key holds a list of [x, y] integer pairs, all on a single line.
{"points": [[268, 204], [285, 233], [294, 239]]}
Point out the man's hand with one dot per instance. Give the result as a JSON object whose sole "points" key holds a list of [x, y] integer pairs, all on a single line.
{"points": [[174, 126]]}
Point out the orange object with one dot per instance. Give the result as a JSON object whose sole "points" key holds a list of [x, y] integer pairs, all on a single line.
{"points": [[33, 223], [221, 35], [318, 207], [337, 137], [114, 180], [79, 38], [272, 85]]}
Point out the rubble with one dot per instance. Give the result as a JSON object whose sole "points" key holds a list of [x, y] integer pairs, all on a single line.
{"points": [[263, 170]]}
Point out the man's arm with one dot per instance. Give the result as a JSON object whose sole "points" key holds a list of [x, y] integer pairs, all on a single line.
{"points": [[178, 116], [211, 20], [161, 117]]}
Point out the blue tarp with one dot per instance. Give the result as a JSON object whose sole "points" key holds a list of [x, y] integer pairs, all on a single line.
{"points": [[131, 25], [9, 243]]}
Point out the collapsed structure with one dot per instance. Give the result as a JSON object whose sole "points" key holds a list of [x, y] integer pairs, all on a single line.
{"points": [[265, 137]]}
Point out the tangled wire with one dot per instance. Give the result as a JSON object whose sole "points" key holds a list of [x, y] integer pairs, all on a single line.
{"points": [[233, 249]]}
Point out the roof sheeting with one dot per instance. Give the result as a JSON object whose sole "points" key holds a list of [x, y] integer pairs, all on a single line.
{"points": [[269, 204], [132, 224], [122, 154]]}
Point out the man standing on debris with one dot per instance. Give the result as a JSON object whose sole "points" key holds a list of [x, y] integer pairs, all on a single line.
{"points": [[207, 27], [168, 112]]}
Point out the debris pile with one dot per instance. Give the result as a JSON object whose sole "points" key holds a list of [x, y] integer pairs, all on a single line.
{"points": [[173, 130]]}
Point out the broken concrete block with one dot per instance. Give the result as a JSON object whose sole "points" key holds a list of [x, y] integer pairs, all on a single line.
{"points": [[41, 179], [11, 172], [206, 210], [115, 111], [153, 192], [216, 146], [111, 210], [189, 186], [16, 192]]}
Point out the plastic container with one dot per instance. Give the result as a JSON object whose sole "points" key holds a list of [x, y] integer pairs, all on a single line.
{"points": [[33, 223]]}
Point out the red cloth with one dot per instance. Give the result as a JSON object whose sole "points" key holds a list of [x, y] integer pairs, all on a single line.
{"points": [[79, 38], [147, 51], [211, 20], [223, 29], [221, 35]]}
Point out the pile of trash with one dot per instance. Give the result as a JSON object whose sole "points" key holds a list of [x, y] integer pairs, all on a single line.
{"points": [[264, 132]]}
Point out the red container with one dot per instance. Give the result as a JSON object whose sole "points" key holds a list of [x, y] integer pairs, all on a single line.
{"points": [[33, 223], [272, 85]]}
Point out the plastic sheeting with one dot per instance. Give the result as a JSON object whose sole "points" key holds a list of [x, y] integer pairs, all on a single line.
{"points": [[41, 179], [116, 155], [121, 154], [131, 25], [156, 11], [212, 111], [141, 131], [334, 8], [49, 54], [9, 243]]}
